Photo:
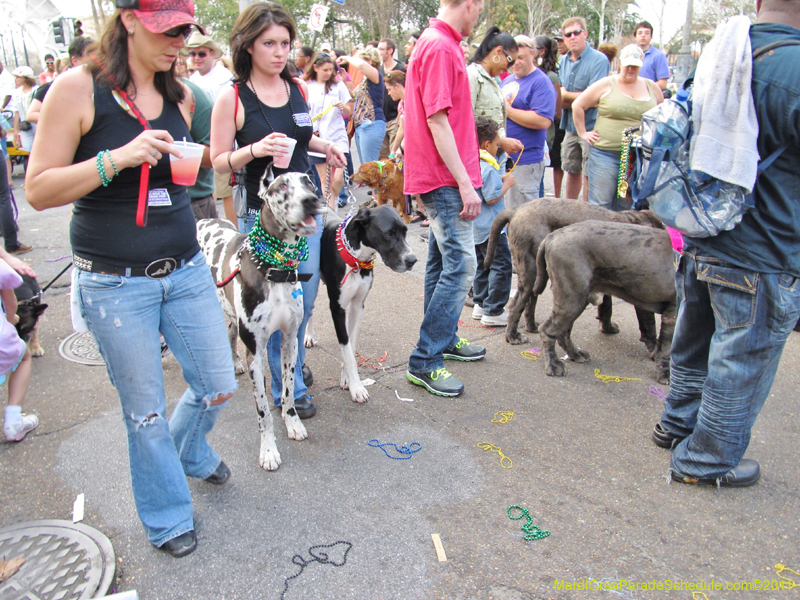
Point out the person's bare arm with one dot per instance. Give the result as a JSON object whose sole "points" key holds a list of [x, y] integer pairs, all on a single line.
{"points": [[588, 99], [367, 69], [527, 118], [34, 110], [10, 304], [445, 143], [18, 265], [51, 179], [662, 83]]}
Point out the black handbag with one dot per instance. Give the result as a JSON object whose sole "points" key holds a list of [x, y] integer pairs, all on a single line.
{"points": [[25, 126]]}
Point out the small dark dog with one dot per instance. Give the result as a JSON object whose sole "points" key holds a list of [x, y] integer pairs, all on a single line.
{"points": [[29, 309]]}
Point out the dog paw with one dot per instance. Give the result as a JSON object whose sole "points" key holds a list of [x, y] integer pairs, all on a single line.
{"points": [[611, 327], [309, 341], [532, 328], [581, 356], [358, 393], [295, 428], [516, 338], [555, 369], [37, 351], [238, 367], [269, 459], [652, 347]]}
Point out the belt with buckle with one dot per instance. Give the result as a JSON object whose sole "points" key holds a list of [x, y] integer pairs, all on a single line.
{"points": [[281, 276], [157, 269]]}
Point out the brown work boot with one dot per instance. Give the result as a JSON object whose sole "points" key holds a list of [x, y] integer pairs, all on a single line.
{"points": [[21, 249]]}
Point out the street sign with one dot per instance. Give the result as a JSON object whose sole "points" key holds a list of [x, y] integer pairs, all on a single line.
{"points": [[316, 20]]}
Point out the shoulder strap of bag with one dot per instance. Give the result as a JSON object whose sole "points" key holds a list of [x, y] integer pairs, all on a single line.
{"points": [[759, 52], [302, 89]]}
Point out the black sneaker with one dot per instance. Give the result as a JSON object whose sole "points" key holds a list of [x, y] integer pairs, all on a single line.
{"points": [[308, 376], [182, 545], [665, 439], [746, 473], [305, 407], [440, 382], [464, 351], [220, 474]]}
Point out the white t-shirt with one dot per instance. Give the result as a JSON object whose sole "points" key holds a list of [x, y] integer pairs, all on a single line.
{"points": [[331, 125], [214, 81]]}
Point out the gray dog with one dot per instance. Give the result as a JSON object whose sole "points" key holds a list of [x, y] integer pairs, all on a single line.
{"points": [[592, 258], [528, 225]]}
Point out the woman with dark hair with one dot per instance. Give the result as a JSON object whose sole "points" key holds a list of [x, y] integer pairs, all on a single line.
{"points": [[494, 56], [545, 54], [329, 101], [264, 108], [103, 143], [368, 114]]}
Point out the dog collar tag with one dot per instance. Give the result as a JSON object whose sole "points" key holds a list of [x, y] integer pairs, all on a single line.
{"points": [[158, 197]]}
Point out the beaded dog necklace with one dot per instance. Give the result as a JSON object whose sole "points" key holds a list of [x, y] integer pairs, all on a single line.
{"points": [[271, 253]]}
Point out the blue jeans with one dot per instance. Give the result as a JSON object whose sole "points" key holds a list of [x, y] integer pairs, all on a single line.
{"points": [[369, 137], [247, 222], [491, 288], [603, 174], [343, 194], [310, 287], [125, 315], [448, 276], [8, 227], [729, 336]]}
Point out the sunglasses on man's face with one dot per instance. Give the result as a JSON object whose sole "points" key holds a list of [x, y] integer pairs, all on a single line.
{"points": [[201, 54], [183, 31], [569, 34]]}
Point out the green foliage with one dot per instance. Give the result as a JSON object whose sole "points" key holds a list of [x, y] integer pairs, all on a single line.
{"points": [[217, 17]]}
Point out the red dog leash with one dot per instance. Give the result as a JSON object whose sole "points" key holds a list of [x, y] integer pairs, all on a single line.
{"points": [[144, 180]]}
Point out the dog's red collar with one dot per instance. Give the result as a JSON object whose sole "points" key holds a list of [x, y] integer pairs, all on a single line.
{"points": [[346, 253]]}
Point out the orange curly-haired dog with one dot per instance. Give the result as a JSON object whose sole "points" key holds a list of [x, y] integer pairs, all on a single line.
{"points": [[386, 181]]}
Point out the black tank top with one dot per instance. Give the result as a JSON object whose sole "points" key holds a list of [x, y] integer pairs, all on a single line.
{"points": [[103, 224], [255, 128]]}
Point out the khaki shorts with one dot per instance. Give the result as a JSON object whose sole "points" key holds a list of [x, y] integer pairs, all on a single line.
{"points": [[574, 154], [222, 183], [388, 139]]}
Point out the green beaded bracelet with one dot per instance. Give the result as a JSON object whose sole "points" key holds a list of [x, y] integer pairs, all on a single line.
{"points": [[101, 168], [111, 160]]}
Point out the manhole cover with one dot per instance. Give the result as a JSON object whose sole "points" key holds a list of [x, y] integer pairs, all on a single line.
{"points": [[81, 348], [63, 561]]}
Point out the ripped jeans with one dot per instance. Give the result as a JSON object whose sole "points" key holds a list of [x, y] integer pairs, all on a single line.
{"points": [[125, 315]]}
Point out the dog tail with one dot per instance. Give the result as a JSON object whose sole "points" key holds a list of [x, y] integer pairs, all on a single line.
{"points": [[500, 221], [541, 267]]}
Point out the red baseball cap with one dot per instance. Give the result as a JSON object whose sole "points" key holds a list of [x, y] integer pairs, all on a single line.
{"points": [[159, 16]]}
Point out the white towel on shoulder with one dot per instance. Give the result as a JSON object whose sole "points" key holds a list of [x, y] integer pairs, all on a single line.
{"points": [[724, 142]]}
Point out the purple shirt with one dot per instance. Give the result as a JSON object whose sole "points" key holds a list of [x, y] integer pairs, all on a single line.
{"points": [[655, 65], [532, 92]]}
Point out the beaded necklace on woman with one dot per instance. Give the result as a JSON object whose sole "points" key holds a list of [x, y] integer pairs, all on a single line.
{"points": [[268, 251]]}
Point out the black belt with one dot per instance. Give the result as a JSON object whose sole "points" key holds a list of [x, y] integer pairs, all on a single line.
{"points": [[280, 276], [155, 270]]}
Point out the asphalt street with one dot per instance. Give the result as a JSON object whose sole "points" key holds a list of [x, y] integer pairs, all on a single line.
{"points": [[580, 460]]}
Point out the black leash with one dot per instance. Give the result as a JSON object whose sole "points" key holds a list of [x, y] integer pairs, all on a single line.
{"points": [[64, 270]]}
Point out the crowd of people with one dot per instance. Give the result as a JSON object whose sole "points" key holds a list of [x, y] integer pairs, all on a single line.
{"points": [[473, 138]]}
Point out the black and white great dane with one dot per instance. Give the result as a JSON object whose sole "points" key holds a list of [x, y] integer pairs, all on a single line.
{"points": [[260, 299], [347, 256]]}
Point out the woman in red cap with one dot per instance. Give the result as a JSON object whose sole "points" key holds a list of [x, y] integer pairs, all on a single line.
{"points": [[104, 136]]}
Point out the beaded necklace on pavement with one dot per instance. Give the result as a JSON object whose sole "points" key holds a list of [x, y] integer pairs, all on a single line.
{"points": [[271, 253]]}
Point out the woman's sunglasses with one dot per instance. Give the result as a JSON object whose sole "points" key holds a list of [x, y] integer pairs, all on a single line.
{"points": [[181, 30], [508, 58]]}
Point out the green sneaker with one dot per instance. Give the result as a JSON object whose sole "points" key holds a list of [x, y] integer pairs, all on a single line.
{"points": [[465, 351], [440, 382]]}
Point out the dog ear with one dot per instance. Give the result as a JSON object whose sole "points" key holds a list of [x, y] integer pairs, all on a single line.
{"points": [[370, 172], [39, 309], [363, 216]]}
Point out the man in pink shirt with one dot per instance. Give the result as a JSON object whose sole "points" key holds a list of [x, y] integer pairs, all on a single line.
{"points": [[442, 166]]}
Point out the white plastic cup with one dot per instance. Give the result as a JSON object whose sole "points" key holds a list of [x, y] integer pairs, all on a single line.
{"points": [[282, 162], [184, 170]]}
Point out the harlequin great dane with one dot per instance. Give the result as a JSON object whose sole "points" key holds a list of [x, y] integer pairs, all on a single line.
{"points": [[262, 293], [347, 256]]}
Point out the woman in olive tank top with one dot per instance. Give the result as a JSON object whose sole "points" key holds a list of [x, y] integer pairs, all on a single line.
{"points": [[621, 100]]}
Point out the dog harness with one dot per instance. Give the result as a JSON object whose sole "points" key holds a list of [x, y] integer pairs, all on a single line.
{"points": [[346, 252]]}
